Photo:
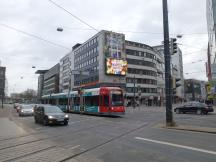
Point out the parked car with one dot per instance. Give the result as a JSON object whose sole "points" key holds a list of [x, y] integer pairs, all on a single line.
{"points": [[47, 114], [26, 110], [194, 107]]}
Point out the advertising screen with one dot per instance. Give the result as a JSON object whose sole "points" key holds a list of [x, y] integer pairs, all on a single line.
{"points": [[116, 66]]}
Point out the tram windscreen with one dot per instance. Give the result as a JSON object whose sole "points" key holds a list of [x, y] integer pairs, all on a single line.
{"points": [[117, 98]]}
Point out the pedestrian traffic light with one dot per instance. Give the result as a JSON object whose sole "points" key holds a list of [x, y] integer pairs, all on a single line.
{"points": [[173, 46]]}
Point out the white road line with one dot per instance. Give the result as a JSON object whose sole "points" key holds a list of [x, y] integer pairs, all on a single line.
{"points": [[74, 122], [74, 147], [176, 145]]}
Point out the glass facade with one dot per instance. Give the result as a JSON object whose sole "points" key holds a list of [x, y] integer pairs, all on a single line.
{"points": [[86, 59]]}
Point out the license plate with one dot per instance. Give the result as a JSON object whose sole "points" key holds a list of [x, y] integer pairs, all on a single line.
{"points": [[60, 120]]}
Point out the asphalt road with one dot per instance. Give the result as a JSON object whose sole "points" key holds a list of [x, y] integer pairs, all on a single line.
{"points": [[132, 138]]}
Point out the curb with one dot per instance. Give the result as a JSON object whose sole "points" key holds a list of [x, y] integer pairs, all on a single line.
{"points": [[189, 128]]}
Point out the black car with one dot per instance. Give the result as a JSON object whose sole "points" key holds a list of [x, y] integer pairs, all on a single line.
{"points": [[47, 114], [194, 107]]}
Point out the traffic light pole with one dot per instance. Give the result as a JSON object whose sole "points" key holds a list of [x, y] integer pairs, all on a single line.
{"points": [[168, 90]]}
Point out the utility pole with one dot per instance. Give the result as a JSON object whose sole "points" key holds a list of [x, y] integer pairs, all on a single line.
{"points": [[168, 90]]}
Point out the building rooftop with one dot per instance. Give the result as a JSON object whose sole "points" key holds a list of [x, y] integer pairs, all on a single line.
{"points": [[41, 71]]}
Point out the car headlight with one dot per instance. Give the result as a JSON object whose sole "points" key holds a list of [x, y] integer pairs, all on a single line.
{"points": [[66, 116], [22, 111], [50, 117]]}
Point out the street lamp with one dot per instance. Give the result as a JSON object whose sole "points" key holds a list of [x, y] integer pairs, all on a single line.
{"points": [[60, 29]]}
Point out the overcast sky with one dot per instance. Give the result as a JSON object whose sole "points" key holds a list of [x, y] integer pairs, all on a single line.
{"points": [[19, 52]]}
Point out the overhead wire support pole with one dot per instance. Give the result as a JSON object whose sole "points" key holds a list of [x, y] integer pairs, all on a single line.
{"points": [[167, 58]]}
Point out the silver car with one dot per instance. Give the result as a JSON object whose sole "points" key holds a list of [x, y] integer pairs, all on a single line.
{"points": [[26, 110]]}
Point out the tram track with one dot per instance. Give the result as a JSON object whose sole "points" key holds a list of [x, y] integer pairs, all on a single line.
{"points": [[104, 143], [52, 137]]}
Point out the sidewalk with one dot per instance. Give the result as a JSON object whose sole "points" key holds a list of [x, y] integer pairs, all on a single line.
{"points": [[8, 129]]}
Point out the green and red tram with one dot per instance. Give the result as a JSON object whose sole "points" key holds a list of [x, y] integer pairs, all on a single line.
{"points": [[102, 101]]}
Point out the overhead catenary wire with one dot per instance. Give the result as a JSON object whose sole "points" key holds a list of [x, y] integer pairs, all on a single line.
{"points": [[34, 36], [195, 72], [135, 32], [194, 62], [194, 52], [76, 17]]}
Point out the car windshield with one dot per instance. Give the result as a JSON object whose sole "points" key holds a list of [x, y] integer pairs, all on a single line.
{"points": [[52, 109], [27, 107], [117, 98]]}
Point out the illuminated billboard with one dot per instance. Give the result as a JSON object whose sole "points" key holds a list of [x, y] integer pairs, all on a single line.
{"points": [[116, 66]]}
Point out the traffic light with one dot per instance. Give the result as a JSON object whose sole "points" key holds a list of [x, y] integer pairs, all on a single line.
{"points": [[175, 84], [173, 46]]}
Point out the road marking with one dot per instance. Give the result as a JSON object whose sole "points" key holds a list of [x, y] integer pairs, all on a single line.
{"points": [[74, 122], [74, 147], [176, 145]]}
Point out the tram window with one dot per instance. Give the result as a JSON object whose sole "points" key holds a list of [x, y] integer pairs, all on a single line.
{"points": [[92, 100], [117, 99], [76, 101]]}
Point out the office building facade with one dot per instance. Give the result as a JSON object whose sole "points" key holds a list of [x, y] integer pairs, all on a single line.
{"points": [[195, 90], [103, 56], [211, 26], [51, 80], [176, 72], [141, 78]]}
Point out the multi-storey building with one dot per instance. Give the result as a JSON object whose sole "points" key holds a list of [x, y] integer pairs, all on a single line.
{"points": [[51, 80], [64, 75], [103, 56], [195, 90], [176, 72], [40, 83], [141, 78], [211, 25]]}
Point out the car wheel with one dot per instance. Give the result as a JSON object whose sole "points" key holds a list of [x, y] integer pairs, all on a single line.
{"points": [[66, 123], [177, 111], [45, 122], [199, 112]]}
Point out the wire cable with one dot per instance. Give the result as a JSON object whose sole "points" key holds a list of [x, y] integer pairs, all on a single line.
{"points": [[34, 36], [135, 32], [185, 54], [194, 62], [76, 17], [195, 72]]}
